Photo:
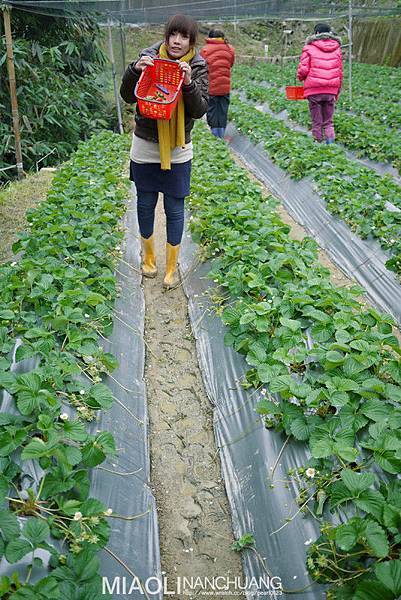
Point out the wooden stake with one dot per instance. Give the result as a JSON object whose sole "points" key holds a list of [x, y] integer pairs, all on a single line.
{"points": [[13, 91]]}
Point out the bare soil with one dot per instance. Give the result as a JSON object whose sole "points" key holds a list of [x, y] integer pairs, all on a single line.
{"points": [[193, 510]]}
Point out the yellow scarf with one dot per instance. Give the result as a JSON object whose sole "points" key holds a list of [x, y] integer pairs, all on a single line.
{"points": [[172, 132]]}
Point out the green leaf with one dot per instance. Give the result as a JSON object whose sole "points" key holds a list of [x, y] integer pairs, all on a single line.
{"points": [[8, 382], [334, 357], [266, 407], [291, 324], [391, 516], [96, 451], [346, 452], [17, 549], [75, 430], [357, 482], [377, 539], [267, 373], [100, 396], [372, 590], [347, 535], [371, 501], [30, 382], [86, 566], [389, 573], [92, 455], [352, 366], [9, 526], [376, 410], [48, 587], [229, 339], [393, 392], [5, 585], [7, 315], [28, 402], [73, 455], [92, 506], [36, 531], [300, 429], [35, 449]]}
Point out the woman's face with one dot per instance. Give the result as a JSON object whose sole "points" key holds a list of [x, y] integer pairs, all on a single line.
{"points": [[177, 45]]}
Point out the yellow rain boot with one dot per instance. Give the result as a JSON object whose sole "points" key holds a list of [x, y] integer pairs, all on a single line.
{"points": [[149, 268], [171, 279]]}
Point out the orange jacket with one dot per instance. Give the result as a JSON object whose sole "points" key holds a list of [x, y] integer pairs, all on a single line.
{"points": [[220, 58]]}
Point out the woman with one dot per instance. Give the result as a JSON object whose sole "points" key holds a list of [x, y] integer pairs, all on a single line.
{"points": [[220, 56], [320, 67], [161, 151]]}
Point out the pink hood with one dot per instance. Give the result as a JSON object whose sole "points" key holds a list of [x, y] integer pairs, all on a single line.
{"points": [[320, 66]]}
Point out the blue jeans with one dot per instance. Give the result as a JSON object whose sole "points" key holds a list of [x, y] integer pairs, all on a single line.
{"points": [[174, 209], [218, 131]]}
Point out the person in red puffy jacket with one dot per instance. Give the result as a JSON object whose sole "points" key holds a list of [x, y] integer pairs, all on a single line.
{"points": [[220, 56], [321, 70]]}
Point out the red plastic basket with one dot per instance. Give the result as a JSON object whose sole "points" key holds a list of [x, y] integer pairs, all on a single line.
{"points": [[167, 73], [294, 92]]}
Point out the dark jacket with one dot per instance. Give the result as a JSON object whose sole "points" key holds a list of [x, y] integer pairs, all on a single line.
{"points": [[195, 95], [220, 58]]}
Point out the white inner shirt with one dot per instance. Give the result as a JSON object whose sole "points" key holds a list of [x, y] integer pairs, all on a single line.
{"points": [[144, 151]]}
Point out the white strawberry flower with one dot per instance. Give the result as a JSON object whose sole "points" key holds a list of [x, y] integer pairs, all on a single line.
{"points": [[64, 417], [310, 472], [78, 516]]}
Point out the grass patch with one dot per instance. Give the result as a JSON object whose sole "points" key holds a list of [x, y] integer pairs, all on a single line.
{"points": [[15, 199]]}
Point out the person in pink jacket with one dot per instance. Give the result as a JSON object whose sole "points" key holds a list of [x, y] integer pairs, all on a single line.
{"points": [[321, 70]]}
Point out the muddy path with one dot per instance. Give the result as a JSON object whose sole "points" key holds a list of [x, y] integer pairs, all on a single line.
{"points": [[193, 510]]}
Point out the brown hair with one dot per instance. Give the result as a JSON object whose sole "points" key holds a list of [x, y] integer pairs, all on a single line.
{"points": [[183, 24]]}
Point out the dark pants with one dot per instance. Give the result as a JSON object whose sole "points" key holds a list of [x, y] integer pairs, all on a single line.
{"points": [[321, 107], [217, 114], [174, 209]]}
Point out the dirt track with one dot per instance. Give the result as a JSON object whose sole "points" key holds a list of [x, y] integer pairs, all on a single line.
{"points": [[193, 511]]}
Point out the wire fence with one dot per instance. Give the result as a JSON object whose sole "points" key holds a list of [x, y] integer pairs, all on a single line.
{"points": [[156, 11]]}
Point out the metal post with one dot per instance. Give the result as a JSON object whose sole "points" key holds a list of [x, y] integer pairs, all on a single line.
{"points": [[113, 71], [350, 51], [122, 41], [13, 92]]}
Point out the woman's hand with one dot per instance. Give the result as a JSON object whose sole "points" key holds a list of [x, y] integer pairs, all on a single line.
{"points": [[186, 69], [144, 62]]}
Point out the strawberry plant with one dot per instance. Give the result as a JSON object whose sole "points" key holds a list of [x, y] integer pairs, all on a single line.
{"points": [[329, 368], [355, 132], [57, 302], [358, 195]]}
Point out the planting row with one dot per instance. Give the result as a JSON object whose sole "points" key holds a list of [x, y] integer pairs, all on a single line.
{"points": [[56, 301], [368, 139], [375, 90], [328, 368], [358, 195]]}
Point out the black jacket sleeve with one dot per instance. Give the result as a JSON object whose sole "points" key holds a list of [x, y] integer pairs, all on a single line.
{"points": [[131, 76], [129, 81], [196, 94]]}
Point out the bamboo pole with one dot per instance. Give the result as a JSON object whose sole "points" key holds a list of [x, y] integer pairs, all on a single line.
{"points": [[113, 71], [350, 36], [13, 91]]}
